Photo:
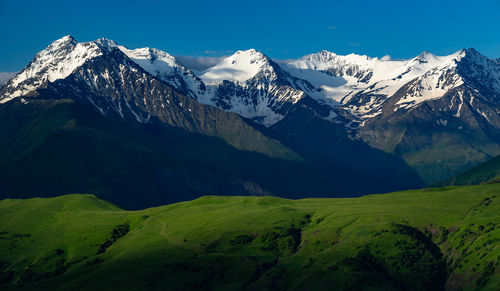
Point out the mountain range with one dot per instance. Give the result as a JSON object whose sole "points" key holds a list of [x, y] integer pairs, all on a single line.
{"points": [[139, 128]]}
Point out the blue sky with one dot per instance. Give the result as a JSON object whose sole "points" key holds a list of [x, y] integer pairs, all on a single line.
{"points": [[281, 29]]}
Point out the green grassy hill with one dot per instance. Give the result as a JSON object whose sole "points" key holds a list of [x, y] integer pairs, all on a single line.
{"points": [[485, 172], [427, 239]]}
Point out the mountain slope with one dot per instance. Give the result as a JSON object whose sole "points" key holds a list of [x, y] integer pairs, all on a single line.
{"points": [[439, 113], [165, 67], [488, 171], [362, 84], [419, 109], [326, 143], [254, 86], [247, 83], [141, 165], [146, 144], [459, 129], [373, 242], [68, 146]]}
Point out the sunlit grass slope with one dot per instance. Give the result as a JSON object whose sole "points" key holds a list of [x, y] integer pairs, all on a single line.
{"points": [[426, 239]]}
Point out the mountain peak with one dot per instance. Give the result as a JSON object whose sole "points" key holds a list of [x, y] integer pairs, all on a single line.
{"points": [[425, 57], [240, 66], [251, 54], [167, 68], [325, 54], [470, 55], [57, 61], [106, 43], [250, 51], [471, 52], [65, 43], [67, 39], [151, 59]]}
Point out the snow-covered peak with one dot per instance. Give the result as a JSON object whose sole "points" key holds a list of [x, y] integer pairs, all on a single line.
{"points": [[381, 67], [427, 61], [472, 51], [324, 60], [471, 55], [441, 74], [425, 57], [55, 62], [107, 43], [239, 67], [479, 71], [167, 68], [154, 61], [342, 77], [252, 85], [65, 40]]}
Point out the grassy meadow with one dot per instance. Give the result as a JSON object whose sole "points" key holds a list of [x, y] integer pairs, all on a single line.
{"points": [[433, 239]]}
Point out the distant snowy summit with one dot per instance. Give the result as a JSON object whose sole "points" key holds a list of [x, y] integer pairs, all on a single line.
{"points": [[356, 87]]}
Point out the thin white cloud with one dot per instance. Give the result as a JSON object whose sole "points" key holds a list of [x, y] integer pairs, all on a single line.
{"points": [[354, 44], [5, 76], [331, 27], [199, 63], [386, 58]]}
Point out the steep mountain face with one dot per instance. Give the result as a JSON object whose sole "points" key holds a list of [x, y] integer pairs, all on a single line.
{"points": [[57, 61], [439, 113], [116, 86], [362, 84], [252, 85], [327, 144], [444, 121], [165, 67], [247, 83], [96, 117]]}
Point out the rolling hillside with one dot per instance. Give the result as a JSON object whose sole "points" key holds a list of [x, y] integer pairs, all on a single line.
{"points": [[433, 239], [488, 171]]}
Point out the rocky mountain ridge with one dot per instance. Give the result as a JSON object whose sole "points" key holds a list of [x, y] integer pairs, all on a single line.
{"points": [[413, 108]]}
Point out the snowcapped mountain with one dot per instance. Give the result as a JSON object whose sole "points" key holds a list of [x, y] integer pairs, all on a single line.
{"points": [[239, 67], [429, 110], [57, 61], [254, 86], [167, 68], [362, 84], [145, 86], [134, 122], [440, 113], [350, 89], [443, 121]]}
